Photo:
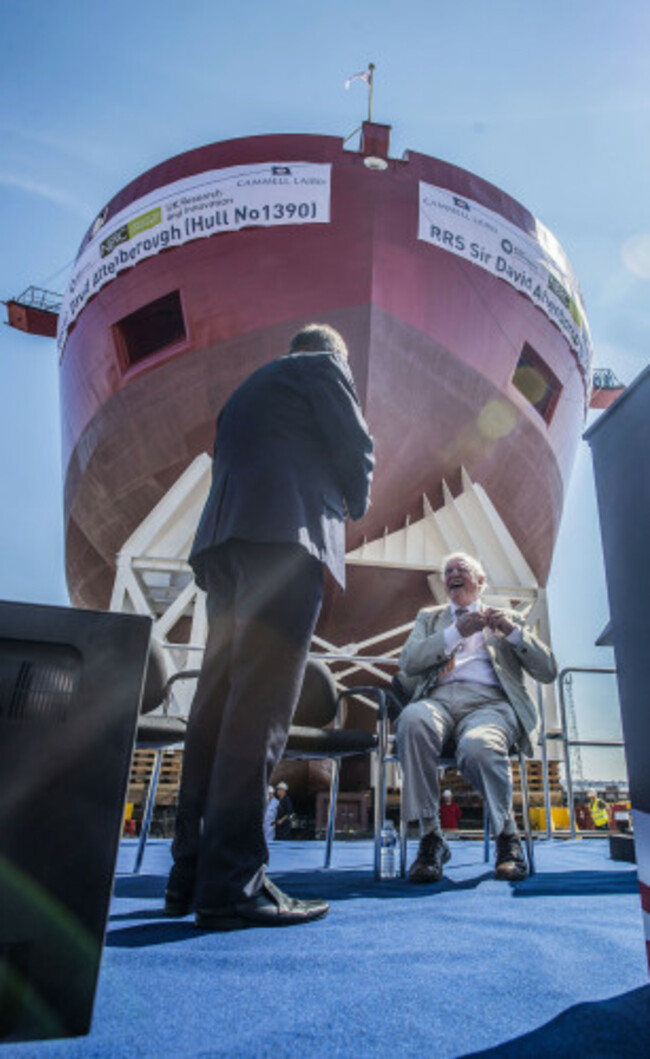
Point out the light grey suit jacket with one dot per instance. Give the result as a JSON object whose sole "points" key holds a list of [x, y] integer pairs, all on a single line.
{"points": [[423, 657]]}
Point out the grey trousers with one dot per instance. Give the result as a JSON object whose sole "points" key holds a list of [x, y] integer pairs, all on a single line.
{"points": [[483, 726]]}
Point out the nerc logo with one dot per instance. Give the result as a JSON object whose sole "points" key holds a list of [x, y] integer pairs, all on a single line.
{"points": [[121, 235]]}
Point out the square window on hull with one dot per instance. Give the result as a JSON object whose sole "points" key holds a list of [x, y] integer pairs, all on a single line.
{"points": [[535, 380], [152, 328]]}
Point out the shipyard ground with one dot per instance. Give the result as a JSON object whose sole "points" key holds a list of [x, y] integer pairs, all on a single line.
{"points": [[552, 966]]}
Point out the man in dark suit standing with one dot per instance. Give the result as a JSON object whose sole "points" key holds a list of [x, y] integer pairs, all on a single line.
{"points": [[292, 459]]}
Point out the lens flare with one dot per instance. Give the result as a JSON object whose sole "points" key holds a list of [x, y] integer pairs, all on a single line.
{"points": [[496, 419]]}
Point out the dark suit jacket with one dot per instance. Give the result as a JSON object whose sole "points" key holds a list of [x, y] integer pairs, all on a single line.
{"points": [[292, 458]]}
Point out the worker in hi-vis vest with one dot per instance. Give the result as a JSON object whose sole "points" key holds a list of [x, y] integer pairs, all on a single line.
{"points": [[598, 810]]}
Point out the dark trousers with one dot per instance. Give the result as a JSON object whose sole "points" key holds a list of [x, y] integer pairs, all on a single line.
{"points": [[263, 602]]}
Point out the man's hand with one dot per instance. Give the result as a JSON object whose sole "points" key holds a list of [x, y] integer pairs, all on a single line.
{"points": [[472, 622], [498, 621]]}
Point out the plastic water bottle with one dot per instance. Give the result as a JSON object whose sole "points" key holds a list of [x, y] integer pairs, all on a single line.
{"points": [[388, 859]]}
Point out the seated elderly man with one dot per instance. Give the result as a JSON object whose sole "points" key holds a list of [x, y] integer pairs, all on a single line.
{"points": [[463, 665]]}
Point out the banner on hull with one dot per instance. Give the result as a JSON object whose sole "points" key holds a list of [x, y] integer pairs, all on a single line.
{"points": [[535, 265], [265, 194]]}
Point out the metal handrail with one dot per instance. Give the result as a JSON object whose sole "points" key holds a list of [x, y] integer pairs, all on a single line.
{"points": [[335, 656], [544, 749], [568, 743]]}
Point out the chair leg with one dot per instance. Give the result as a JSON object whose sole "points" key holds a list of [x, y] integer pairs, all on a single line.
{"points": [[523, 773], [380, 805], [148, 811], [380, 792], [331, 816]]}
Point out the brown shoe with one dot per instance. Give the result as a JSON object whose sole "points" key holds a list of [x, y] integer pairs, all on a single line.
{"points": [[510, 863], [433, 853]]}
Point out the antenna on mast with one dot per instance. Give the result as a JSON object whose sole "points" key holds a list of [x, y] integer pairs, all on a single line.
{"points": [[371, 76], [368, 76]]}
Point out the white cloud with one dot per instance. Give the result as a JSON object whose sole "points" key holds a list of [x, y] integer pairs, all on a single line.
{"points": [[51, 193], [97, 153]]}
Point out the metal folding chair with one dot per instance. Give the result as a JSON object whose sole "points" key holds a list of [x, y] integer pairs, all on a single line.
{"points": [[317, 732], [158, 732]]}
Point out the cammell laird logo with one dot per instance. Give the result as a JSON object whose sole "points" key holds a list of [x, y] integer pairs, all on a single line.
{"points": [[127, 231]]}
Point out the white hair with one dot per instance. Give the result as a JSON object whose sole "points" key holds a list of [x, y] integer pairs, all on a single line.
{"points": [[469, 560]]}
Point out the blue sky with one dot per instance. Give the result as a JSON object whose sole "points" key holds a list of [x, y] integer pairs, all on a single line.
{"points": [[550, 102]]}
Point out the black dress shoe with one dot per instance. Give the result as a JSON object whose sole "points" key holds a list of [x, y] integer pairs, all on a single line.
{"points": [[179, 892], [432, 855], [270, 907], [510, 863]]}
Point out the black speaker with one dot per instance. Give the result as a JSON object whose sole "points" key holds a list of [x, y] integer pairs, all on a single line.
{"points": [[70, 688], [621, 847]]}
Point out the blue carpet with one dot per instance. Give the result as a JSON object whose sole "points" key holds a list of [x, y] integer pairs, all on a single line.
{"points": [[553, 966]]}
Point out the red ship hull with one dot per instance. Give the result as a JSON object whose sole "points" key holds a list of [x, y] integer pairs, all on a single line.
{"points": [[434, 343]]}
